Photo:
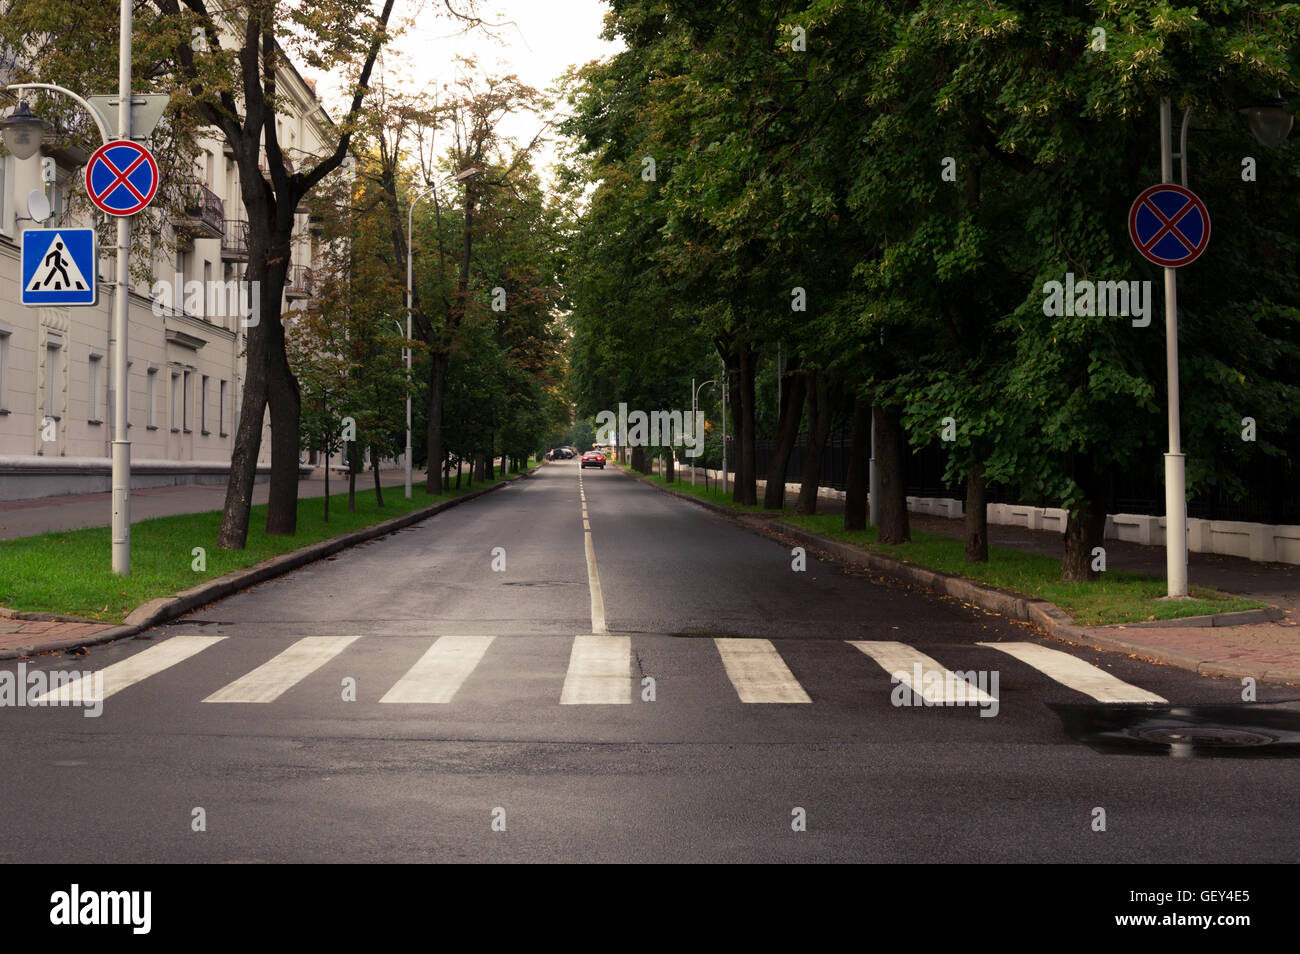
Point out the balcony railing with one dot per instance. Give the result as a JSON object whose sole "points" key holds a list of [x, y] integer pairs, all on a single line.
{"points": [[202, 214], [234, 243], [298, 282]]}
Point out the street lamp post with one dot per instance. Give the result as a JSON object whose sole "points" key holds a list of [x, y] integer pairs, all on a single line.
{"points": [[1270, 124], [121, 314], [1175, 460], [25, 133], [695, 400], [725, 395]]}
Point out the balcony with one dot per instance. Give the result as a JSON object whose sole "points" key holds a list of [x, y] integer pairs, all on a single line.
{"points": [[202, 213], [234, 243], [298, 282]]}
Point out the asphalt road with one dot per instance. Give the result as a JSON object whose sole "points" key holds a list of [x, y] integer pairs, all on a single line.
{"points": [[405, 701]]}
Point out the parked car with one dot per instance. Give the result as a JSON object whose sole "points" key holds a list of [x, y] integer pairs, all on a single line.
{"points": [[593, 459]]}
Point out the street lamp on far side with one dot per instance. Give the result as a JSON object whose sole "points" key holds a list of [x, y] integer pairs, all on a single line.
{"points": [[1270, 123]]}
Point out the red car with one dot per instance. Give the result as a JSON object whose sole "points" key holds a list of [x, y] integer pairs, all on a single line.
{"points": [[593, 459]]}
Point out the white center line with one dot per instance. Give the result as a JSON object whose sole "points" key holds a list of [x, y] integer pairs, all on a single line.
{"points": [[1073, 672], [593, 582], [593, 577], [270, 680]]}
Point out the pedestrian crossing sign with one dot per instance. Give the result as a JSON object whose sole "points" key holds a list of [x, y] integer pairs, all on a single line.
{"points": [[59, 267]]}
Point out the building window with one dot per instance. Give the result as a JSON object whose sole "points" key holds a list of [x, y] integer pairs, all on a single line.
{"points": [[203, 405], [185, 403], [175, 422], [208, 309], [4, 366], [53, 370], [221, 409], [151, 398], [92, 389]]}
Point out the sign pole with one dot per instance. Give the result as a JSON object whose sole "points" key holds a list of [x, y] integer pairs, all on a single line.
{"points": [[1175, 461], [121, 307]]}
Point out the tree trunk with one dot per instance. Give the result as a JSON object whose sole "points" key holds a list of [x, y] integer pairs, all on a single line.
{"points": [[977, 515], [433, 427], [819, 429], [243, 461], [787, 431], [374, 466], [891, 476], [670, 465], [855, 487], [327, 485], [639, 462], [1085, 527], [458, 473], [746, 465]]}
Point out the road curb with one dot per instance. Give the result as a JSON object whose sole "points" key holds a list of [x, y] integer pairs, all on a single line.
{"points": [[163, 609], [1046, 617]]}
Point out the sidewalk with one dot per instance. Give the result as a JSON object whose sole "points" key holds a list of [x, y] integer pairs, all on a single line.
{"points": [[26, 518], [1271, 647]]}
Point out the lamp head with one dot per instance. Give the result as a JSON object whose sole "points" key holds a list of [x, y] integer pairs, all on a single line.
{"points": [[22, 131], [1270, 123]]}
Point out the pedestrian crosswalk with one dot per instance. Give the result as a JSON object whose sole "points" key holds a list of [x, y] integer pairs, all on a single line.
{"points": [[272, 679], [441, 670], [758, 672], [600, 671]]}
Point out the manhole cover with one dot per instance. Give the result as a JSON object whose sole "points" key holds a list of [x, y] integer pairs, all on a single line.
{"points": [[1245, 730], [1206, 735]]}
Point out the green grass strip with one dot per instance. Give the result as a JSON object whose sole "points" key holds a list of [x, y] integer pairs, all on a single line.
{"points": [[1119, 596]]}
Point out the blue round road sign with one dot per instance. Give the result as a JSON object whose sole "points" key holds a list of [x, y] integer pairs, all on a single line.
{"points": [[121, 177], [1169, 225]]}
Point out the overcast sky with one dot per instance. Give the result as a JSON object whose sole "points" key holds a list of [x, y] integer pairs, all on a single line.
{"points": [[539, 40]]}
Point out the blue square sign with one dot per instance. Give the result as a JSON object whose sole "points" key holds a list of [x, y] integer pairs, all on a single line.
{"points": [[59, 267]]}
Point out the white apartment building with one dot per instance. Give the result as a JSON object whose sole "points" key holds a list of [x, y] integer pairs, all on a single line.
{"points": [[186, 363]]}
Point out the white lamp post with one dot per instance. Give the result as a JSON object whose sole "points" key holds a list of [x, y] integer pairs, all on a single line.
{"points": [[25, 135], [1270, 123], [695, 401]]}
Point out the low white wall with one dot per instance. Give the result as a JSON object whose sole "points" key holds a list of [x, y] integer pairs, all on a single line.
{"points": [[1261, 542]]}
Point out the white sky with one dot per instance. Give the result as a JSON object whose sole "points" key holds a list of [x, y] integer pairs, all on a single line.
{"points": [[546, 38]]}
